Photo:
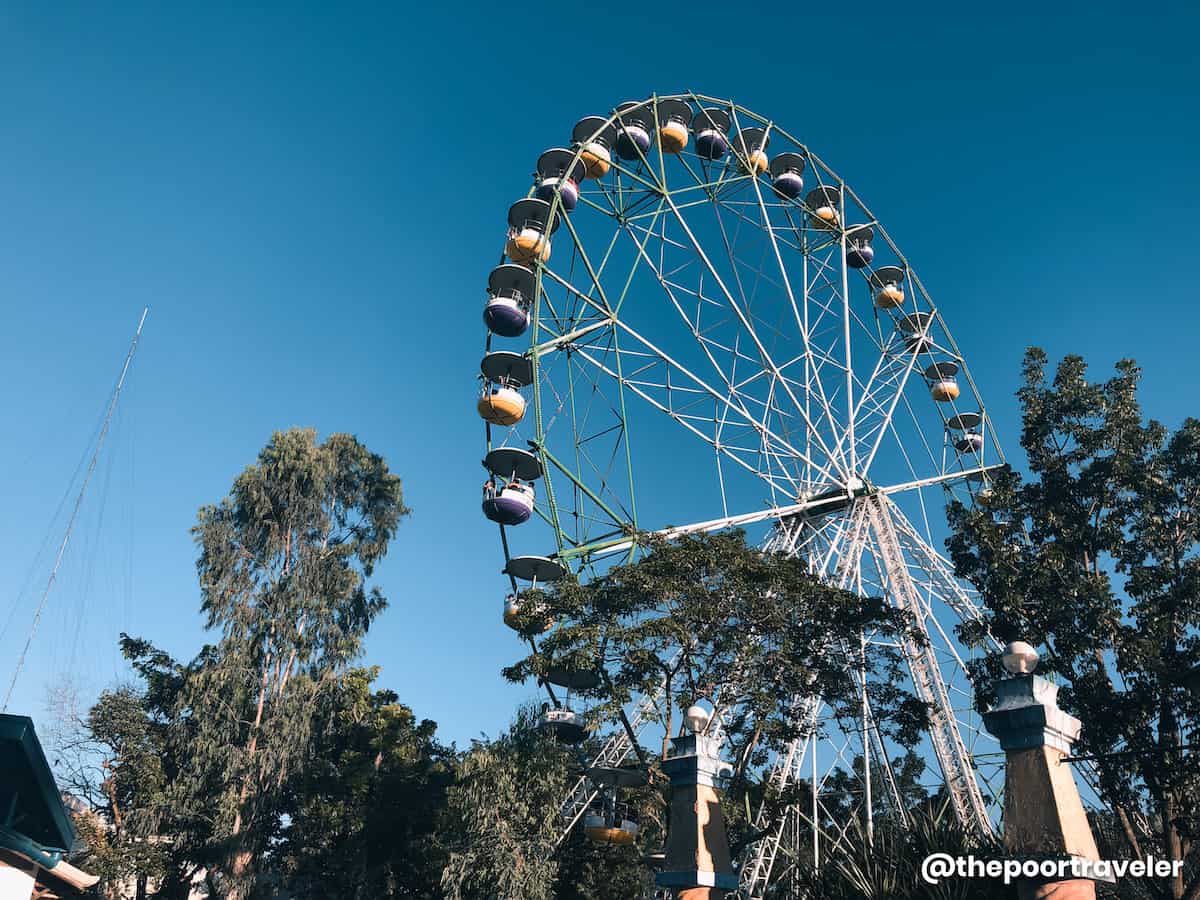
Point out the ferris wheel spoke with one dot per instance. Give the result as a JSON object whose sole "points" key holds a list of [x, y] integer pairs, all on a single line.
{"points": [[737, 399], [764, 357], [838, 557], [901, 445], [926, 675], [689, 421], [872, 434], [779, 447], [808, 358], [594, 273], [598, 439], [940, 571], [879, 396], [826, 337], [611, 428]]}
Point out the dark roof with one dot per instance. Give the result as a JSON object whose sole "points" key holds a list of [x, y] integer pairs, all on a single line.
{"points": [[30, 802]]}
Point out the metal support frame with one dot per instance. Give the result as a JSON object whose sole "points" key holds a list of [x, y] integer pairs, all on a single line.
{"points": [[944, 733], [789, 379]]}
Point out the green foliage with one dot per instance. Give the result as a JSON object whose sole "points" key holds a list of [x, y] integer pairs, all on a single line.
{"points": [[111, 762], [707, 617], [363, 814], [269, 765], [503, 816], [1094, 555], [590, 871], [283, 566], [888, 867]]}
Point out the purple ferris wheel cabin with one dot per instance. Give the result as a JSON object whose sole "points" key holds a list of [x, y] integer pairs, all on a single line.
{"points": [[511, 503], [559, 172], [634, 124], [510, 295], [712, 133]]}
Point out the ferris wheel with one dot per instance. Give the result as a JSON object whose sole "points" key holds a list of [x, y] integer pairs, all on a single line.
{"points": [[697, 325]]}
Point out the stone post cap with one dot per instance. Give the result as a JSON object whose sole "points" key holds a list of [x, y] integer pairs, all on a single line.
{"points": [[1026, 715], [695, 759], [695, 745], [1020, 658]]}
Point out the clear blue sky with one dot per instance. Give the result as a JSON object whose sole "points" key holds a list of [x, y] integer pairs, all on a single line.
{"points": [[310, 198]]}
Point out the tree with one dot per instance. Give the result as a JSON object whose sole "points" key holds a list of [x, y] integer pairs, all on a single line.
{"points": [[590, 871], [363, 815], [1094, 555], [283, 566], [707, 618], [503, 816], [110, 762]]}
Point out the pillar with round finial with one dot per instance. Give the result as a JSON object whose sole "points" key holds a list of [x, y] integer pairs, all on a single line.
{"points": [[697, 864], [1043, 813]]}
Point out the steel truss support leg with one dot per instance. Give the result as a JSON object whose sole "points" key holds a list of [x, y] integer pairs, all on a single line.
{"points": [[948, 746]]}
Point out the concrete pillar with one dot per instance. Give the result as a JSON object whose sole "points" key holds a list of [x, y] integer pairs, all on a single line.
{"points": [[697, 864], [1043, 813], [17, 876]]}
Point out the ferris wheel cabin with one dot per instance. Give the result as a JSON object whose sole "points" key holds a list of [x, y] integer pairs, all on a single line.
{"points": [[510, 295], [634, 124], [887, 287], [981, 484], [526, 616], [823, 204], [567, 724], [529, 228], [608, 819], [503, 373], [752, 150], [915, 328], [971, 439], [601, 827], [859, 251], [559, 172], [787, 175], [508, 495], [712, 130], [596, 136], [943, 381], [673, 117]]}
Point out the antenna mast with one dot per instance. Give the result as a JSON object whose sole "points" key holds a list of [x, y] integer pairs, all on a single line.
{"points": [[62, 547]]}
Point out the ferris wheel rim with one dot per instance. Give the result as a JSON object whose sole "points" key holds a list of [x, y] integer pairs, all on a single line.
{"points": [[607, 125]]}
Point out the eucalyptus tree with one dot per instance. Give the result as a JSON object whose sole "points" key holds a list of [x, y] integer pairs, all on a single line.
{"points": [[284, 563], [111, 762]]}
